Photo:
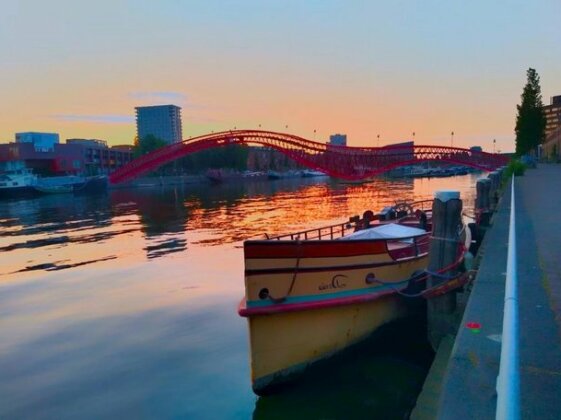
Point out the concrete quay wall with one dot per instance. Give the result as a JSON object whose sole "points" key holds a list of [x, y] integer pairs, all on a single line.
{"points": [[462, 382]]}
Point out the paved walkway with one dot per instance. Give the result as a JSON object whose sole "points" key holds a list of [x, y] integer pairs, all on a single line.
{"points": [[469, 384], [540, 289]]}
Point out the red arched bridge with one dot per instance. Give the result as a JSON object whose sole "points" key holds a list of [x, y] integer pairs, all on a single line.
{"points": [[351, 163]]}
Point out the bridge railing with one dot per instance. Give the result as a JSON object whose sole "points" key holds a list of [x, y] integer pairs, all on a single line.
{"points": [[508, 381], [350, 163]]}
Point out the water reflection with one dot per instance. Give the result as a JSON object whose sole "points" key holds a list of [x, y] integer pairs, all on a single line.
{"points": [[125, 304], [162, 217], [36, 233], [60, 231], [158, 363]]}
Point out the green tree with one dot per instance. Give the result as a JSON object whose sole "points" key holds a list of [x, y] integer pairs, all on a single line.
{"points": [[232, 157], [147, 144], [530, 121]]}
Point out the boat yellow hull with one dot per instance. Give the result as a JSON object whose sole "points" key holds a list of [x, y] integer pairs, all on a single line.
{"points": [[283, 344], [307, 300]]}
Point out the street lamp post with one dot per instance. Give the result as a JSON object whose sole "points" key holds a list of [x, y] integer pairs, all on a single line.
{"points": [[494, 141], [378, 137], [452, 139]]}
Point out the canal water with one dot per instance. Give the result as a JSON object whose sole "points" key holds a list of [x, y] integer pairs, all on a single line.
{"points": [[125, 304]]}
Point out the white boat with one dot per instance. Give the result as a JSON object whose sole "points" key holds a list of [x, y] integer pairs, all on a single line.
{"points": [[219, 176], [20, 181], [308, 173], [417, 172], [17, 182], [283, 175]]}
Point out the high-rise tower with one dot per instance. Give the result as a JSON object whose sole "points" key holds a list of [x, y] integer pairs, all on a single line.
{"points": [[161, 121]]}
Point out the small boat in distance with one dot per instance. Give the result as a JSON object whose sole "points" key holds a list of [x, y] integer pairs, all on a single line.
{"points": [[417, 172], [15, 182], [20, 181], [70, 184], [308, 173], [55, 189], [219, 176], [284, 175], [311, 294]]}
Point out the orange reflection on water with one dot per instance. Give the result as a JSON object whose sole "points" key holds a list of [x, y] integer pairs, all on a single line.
{"points": [[309, 205], [132, 226]]}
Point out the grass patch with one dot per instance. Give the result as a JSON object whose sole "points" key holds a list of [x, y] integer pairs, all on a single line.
{"points": [[515, 167]]}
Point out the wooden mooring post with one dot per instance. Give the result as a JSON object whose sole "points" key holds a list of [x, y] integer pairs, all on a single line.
{"points": [[495, 178], [501, 172], [444, 246], [482, 201]]}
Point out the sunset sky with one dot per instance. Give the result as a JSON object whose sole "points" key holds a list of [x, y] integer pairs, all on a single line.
{"points": [[357, 67]]}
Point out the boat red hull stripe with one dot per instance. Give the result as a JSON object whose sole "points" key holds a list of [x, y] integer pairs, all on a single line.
{"points": [[313, 249]]}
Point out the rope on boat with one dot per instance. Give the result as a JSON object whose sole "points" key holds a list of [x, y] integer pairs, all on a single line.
{"points": [[425, 274], [438, 275], [479, 213], [298, 251], [438, 238]]}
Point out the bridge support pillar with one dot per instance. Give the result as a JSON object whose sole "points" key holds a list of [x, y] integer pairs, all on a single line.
{"points": [[444, 251]]}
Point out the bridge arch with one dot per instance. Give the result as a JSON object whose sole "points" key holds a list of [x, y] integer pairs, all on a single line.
{"points": [[350, 163]]}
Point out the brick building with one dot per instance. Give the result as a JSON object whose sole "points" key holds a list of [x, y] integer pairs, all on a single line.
{"points": [[76, 157], [551, 147], [552, 115]]}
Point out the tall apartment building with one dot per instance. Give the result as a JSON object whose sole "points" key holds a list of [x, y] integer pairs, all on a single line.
{"points": [[552, 115], [161, 121]]}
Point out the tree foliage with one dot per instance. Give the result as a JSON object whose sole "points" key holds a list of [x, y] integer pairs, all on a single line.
{"points": [[232, 157], [516, 168], [530, 121], [147, 144], [236, 157]]}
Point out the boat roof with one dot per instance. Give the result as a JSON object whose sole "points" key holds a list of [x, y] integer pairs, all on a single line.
{"points": [[386, 231]]}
